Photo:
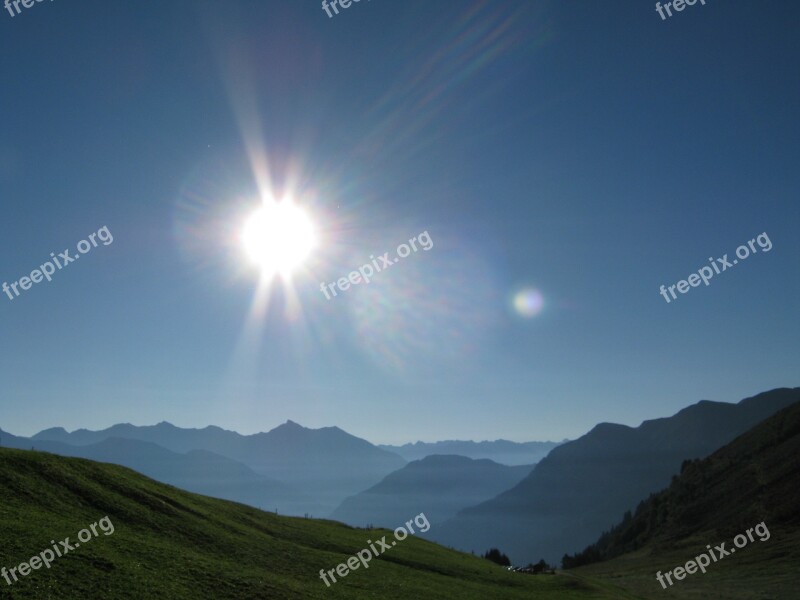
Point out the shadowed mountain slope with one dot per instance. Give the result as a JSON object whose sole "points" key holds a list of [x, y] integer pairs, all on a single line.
{"points": [[749, 484], [754, 478], [438, 485], [582, 487]]}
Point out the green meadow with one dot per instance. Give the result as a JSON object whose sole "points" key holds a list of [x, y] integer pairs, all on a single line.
{"points": [[173, 544]]}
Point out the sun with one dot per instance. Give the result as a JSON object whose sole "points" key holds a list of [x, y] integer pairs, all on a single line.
{"points": [[278, 237]]}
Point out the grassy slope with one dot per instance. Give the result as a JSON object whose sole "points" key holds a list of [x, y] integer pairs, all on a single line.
{"points": [[170, 544], [759, 571], [753, 478]]}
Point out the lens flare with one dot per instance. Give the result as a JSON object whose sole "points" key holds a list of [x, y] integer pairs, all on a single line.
{"points": [[528, 302]]}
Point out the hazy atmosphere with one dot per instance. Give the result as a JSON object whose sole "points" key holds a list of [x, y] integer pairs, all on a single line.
{"points": [[257, 251]]}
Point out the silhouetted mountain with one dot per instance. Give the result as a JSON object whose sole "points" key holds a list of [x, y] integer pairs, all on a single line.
{"points": [[197, 471], [499, 451], [324, 466], [755, 478], [583, 486], [440, 486]]}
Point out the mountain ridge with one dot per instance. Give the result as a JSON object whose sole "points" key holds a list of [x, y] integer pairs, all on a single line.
{"points": [[582, 486], [501, 451], [748, 485], [439, 484], [700, 498], [323, 466]]}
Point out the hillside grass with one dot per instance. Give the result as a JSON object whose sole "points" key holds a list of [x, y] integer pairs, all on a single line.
{"points": [[759, 571], [171, 544], [753, 479]]}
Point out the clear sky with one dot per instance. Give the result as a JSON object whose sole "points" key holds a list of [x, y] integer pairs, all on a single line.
{"points": [[587, 152]]}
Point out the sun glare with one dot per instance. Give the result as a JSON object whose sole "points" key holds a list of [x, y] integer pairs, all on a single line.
{"points": [[278, 237]]}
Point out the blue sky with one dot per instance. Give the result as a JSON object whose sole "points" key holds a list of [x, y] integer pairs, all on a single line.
{"points": [[590, 151]]}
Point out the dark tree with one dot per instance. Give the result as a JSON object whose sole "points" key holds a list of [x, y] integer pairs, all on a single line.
{"points": [[498, 557]]}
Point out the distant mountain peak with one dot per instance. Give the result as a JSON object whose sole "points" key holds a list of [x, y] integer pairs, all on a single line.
{"points": [[290, 427], [55, 430], [54, 433]]}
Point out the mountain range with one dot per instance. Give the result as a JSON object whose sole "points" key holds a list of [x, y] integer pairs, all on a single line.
{"points": [[316, 468], [723, 468], [561, 504], [196, 471], [291, 468], [168, 543], [581, 487]]}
